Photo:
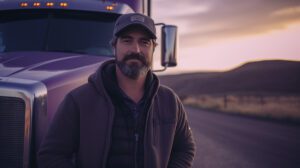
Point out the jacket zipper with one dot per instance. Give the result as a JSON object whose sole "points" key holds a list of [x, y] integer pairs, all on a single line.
{"points": [[136, 142], [136, 139]]}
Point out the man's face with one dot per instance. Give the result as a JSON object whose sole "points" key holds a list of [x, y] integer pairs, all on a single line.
{"points": [[134, 52]]}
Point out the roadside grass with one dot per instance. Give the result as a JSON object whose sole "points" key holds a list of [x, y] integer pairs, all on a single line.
{"points": [[271, 107]]}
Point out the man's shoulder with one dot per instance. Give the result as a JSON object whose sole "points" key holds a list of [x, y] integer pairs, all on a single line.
{"points": [[163, 89], [168, 102], [81, 89], [165, 92], [85, 91]]}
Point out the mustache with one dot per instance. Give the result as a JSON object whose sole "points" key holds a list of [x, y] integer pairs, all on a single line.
{"points": [[137, 56]]}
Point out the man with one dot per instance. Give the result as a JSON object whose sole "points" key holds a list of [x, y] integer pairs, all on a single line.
{"points": [[123, 117]]}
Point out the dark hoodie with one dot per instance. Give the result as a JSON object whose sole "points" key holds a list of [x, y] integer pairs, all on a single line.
{"points": [[83, 126]]}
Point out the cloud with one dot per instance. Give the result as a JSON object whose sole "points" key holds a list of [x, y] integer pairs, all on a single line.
{"points": [[288, 11], [208, 21], [166, 10]]}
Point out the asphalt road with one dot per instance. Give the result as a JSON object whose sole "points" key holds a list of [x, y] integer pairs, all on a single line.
{"points": [[230, 141]]}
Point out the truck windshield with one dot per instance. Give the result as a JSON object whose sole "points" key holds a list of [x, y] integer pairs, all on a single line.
{"points": [[57, 31]]}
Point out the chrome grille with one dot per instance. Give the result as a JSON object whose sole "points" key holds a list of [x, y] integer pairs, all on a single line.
{"points": [[12, 119]]}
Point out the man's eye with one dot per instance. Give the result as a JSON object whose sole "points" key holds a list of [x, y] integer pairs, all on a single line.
{"points": [[146, 42], [126, 40]]}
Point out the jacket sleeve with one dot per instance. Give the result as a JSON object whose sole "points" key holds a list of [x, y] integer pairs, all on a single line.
{"points": [[61, 140], [183, 149]]}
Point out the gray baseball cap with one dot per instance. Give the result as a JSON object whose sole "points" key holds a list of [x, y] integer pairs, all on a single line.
{"points": [[126, 20]]}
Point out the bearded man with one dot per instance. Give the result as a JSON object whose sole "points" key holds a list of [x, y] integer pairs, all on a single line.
{"points": [[123, 117]]}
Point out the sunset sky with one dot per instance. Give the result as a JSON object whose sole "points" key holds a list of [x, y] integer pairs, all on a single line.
{"points": [[222, 34]]}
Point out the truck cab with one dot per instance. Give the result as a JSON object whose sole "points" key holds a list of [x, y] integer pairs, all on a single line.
{"points": [[48, 48]]}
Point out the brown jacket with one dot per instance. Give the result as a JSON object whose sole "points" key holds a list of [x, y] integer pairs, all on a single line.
{"points": [[83, 123]]}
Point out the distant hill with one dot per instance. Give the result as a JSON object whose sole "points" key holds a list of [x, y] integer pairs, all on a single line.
{"points": [[263, 77]]}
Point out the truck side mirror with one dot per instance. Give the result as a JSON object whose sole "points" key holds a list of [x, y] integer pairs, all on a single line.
{"points": [[169, 46]]}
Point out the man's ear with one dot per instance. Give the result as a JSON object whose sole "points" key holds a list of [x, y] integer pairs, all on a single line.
{"points": [[154, 45], [114, 50], [113, 43]]}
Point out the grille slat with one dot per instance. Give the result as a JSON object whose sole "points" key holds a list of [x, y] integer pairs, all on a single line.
{"points": [[12, 118]]}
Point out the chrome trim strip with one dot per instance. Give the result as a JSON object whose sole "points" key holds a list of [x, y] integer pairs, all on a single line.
{"points": [[30, 91]]}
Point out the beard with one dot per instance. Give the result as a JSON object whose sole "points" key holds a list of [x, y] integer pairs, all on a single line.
{"points": [[133, 69]]}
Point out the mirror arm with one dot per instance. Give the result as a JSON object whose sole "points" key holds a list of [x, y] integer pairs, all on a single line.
{"points": [[161, 70], [158, 24]]}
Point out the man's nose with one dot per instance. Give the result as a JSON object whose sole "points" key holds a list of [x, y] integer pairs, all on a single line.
{"points": [[136, 47]]}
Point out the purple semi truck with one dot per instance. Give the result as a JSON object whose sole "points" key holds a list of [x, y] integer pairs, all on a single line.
{"points": [[48, 48]]}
